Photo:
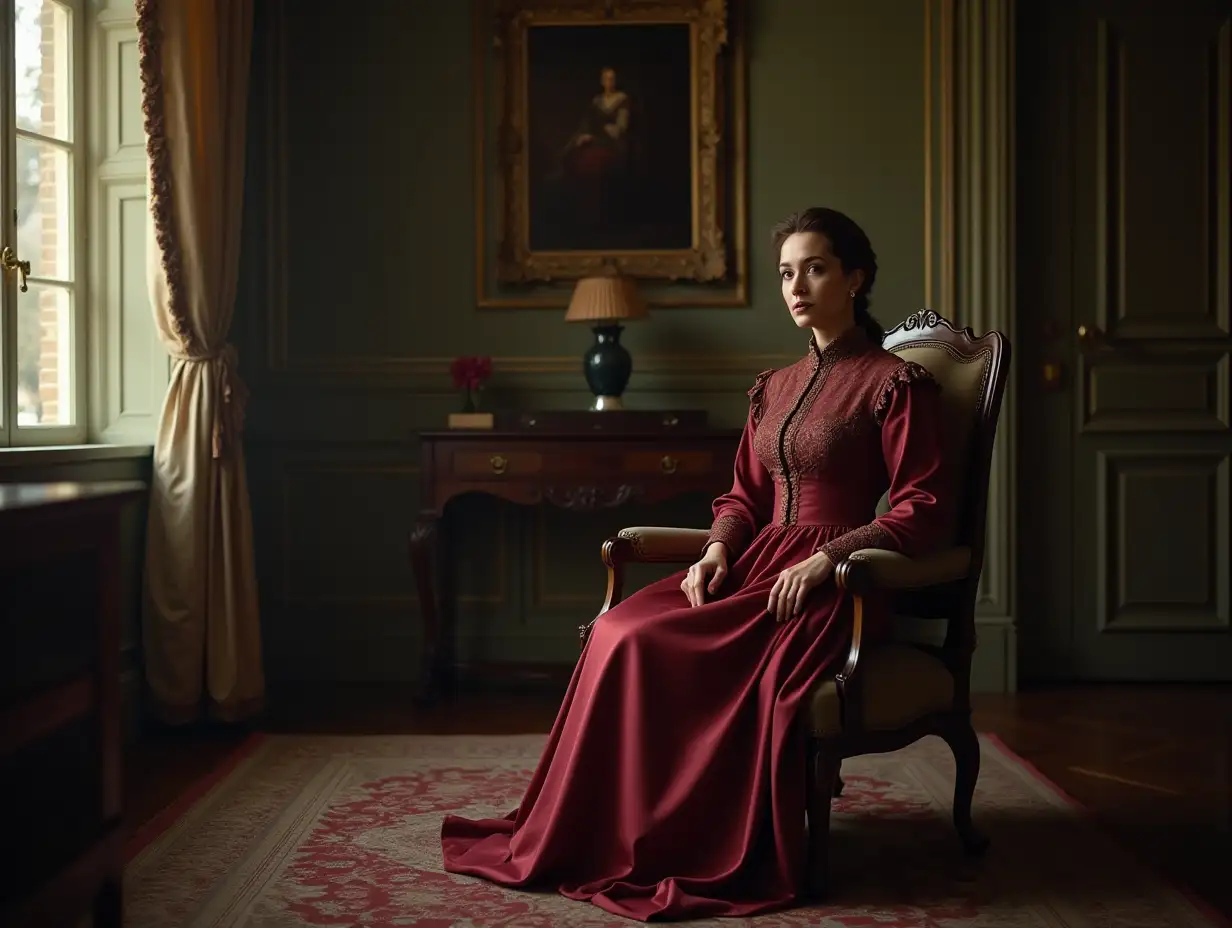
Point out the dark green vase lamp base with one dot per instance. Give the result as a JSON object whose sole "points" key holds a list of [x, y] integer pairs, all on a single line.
{"points": [[607, 365]]}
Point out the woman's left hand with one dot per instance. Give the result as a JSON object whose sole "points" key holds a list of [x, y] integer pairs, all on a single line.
{"points": [[793, 585]]}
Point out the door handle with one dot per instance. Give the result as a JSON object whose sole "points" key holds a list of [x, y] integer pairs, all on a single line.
{"points": [[8, 261], [1092, 338], [1087, 333]]}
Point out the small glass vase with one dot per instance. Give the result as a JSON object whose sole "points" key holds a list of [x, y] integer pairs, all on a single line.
{"points": [[471, 403]]}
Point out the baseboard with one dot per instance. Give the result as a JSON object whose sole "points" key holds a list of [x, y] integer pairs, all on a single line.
{"points": [[994, 666]]}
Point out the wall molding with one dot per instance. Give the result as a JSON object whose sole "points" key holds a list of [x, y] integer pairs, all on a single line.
{"points": [[287, 472], [288, 469], [939, 138], [282, 364], [970, 237], [968, 247], [994, 666], [368, 367]]}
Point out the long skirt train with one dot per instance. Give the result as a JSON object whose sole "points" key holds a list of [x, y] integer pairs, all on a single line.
{"points": [[672, 784]]}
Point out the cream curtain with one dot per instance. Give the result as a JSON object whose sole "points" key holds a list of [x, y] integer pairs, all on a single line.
{"points": [[201, 626]]}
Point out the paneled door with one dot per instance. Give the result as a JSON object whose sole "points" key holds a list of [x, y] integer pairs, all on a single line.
{"points": [[1124, 247]]}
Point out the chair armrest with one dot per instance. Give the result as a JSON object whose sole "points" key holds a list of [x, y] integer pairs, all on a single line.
{"points": [[877, 569], [649, 544], [869, 570], [643, 544]]}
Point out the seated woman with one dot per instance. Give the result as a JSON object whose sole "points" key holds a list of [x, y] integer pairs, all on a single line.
{"points": [[673, 781]]}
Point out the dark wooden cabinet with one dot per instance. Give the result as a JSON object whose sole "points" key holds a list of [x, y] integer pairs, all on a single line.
{"points": [[578, 462], [60, 715]]}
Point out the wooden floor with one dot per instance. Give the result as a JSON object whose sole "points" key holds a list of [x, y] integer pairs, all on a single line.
{"points": [[1153, 763]]}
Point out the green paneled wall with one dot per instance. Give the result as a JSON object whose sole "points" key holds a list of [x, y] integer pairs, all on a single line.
{"points": [[359, 286]]}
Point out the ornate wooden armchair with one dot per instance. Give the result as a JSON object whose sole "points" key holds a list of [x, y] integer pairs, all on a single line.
{"points": [[890, 696]]}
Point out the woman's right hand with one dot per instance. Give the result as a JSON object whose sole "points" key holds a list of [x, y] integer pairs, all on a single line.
{"points": [[706, 575]]}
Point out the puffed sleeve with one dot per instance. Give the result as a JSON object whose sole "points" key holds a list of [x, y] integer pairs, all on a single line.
{"points": [[740, 513], [921, 502]]}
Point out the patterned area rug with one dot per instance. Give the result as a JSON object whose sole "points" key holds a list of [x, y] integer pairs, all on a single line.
{"points": [[333, 831]]}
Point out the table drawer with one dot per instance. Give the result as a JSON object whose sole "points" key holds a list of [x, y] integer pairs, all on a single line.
{"points": [[495, 463], [669, 462]]}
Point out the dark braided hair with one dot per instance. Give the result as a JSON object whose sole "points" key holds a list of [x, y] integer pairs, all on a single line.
{"points": [[852, 248]]}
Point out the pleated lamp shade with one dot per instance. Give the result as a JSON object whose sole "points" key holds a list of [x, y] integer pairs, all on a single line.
{"points": [[600, 300]]}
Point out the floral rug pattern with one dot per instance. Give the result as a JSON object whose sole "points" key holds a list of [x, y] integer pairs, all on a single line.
{"points": [[345, 831]]}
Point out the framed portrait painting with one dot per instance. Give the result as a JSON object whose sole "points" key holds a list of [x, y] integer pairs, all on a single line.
{"points": [[612, 146]]}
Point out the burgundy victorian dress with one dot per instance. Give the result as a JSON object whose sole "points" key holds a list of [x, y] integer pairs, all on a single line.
{"points": [[672, 784]]}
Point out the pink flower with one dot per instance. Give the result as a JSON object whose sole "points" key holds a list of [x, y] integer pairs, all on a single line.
{"points": [[470, 373]]}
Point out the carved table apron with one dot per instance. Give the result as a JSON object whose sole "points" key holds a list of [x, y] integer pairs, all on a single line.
{"points": [[574, 470]]}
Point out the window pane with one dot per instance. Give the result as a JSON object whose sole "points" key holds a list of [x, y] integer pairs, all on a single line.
{"points": [[44, 217], [44, 68], [4, 374], [44, 356]]}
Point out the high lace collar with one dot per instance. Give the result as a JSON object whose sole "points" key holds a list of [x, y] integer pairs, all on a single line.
{"points": [[852, 342]]}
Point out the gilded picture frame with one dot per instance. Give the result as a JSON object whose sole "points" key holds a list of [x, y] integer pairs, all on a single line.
{"points": [[614, 175]]}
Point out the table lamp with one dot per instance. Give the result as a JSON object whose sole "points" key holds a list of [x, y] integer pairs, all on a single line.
{"points": [[605, 302]]}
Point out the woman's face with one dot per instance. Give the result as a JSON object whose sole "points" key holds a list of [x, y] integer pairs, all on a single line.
{"points": [[607, 77], [815, 288]]}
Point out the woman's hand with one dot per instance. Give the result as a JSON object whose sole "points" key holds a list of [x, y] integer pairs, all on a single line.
{"points": [[793, 585], [706, 575]]}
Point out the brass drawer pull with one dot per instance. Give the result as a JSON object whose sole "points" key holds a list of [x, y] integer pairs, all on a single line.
{"points": [[669, 464], [499, 462]]}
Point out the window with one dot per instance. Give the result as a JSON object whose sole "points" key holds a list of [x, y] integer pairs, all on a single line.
{"points": [[41, 196]]}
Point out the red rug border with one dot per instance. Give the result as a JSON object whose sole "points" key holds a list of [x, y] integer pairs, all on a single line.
{"points": [[1093, 820], [150, 830], [143, 836]]}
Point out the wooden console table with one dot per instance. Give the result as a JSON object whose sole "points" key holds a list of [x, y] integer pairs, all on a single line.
{"points": [[576, 462], [60, 728]]}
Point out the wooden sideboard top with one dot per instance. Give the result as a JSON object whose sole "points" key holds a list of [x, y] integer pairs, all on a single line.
{"points": [[574, 424], [720, 434], [14, 496]]}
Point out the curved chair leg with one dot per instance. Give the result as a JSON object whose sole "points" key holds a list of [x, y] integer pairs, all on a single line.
{"points": [[965, 745], [821, 786]]}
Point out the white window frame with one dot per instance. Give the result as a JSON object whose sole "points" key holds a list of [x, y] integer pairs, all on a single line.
{"points": [[129, 365], [11, 434]]}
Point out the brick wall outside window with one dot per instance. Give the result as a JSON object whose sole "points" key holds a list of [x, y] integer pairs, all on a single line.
{"points": [[50, 189]]}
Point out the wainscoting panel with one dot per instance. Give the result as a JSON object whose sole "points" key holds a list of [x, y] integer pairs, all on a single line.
{"points": [[358, 290]]}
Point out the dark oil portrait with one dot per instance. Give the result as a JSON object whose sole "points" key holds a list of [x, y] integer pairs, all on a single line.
{"points": [[610, 137]]}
